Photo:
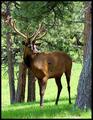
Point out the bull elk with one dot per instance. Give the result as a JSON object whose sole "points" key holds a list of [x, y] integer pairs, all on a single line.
{"points": [[45, 65]]}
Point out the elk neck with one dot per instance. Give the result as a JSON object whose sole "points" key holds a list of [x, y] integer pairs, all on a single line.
{"points": [[28, 58]]}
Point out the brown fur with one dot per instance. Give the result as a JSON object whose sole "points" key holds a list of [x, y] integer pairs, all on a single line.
{"points": [[43, 65], [49, 65]]}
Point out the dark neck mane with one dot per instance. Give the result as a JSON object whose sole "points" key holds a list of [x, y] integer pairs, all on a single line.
{"points": [[29, 58], [27, 61]]}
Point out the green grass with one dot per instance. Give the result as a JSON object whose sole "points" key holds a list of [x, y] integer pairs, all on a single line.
{"points": [[50, 110]]}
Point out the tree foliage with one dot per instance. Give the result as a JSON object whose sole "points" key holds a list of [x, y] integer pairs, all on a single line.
{"points": [[63, 21]]}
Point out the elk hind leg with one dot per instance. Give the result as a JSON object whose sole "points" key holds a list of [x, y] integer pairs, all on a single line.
{"points": [[68, 84], [59, 85]]}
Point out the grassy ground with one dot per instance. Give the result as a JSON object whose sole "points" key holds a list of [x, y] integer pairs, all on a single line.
{"points": [[50, 110]]}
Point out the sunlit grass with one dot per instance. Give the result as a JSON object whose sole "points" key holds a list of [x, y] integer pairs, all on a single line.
{"points": [[50, 110], [32, 110]]}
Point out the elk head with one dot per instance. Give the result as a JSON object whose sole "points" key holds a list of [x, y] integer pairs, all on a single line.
{"points": [[29, 41], [30, 44]]}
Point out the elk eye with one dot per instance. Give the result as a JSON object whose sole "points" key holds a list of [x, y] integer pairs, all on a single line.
{"points": [[23, 43]]}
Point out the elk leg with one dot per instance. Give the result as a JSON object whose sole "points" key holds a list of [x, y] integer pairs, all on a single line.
{"points": [[42, 87], [59, 85], [68, 85]]}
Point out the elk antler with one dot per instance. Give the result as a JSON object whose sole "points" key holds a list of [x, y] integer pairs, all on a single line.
{"points": [[14, 27], [44, 33], [36, 35], [8, 20]]}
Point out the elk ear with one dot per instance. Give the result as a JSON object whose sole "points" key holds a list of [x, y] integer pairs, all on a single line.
{"points": [[23, 42]]}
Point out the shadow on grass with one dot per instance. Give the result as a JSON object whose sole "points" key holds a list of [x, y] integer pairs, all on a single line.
{"points": [[61, 99], [33, 110]]}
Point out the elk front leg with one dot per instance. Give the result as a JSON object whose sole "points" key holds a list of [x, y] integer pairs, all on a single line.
{"points": [[42, 87]]}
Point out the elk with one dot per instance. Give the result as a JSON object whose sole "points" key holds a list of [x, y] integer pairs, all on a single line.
{"points": [[45, 65]]}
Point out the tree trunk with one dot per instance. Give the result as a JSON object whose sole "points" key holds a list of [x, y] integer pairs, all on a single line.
{"points": [[10, 60], [87, 25], [84, 98], [10, 68], [20, 94], [31, 86]]}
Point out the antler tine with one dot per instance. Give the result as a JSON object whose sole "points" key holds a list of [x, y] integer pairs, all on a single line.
{"points": [[37, 32], [41, 36], [44, 31], [32, 35], [13, 25]]}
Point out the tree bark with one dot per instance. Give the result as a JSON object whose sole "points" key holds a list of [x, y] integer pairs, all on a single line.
{"points": [[10, 60], [31, 86], [10, 68], [20, 94], [87, 25], [84, 98]]}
